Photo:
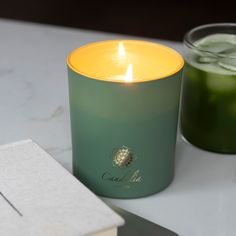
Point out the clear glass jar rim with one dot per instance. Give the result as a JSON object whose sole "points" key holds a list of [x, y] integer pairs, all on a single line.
{"points": [[190, 44]]}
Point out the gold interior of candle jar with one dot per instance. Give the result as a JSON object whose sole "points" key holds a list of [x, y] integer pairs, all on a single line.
{"points": [[102, 60]]}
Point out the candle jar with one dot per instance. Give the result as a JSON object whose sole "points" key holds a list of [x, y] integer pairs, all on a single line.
{"points": [[208, 116], [124, 99]]}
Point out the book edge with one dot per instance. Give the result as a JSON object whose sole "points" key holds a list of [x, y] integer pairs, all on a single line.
{"points": [[12, 144], [119, 221]]}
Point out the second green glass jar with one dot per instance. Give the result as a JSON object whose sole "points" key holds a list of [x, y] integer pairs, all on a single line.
{"points": [[208, 116]]}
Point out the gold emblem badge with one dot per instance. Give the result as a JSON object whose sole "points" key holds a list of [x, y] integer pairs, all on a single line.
{"points": [[122, 157]]}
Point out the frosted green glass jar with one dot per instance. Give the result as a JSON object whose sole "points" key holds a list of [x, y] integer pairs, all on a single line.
{"points": [[124, 100]]}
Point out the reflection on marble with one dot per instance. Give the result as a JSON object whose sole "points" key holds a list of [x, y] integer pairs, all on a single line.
{"points": [[34, 104]]}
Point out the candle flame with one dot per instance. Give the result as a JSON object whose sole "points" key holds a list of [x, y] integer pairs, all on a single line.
{"points": [[121, 49], [129, 74], [128, 77]]}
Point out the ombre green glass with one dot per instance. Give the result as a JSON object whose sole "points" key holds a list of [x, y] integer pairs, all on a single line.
{"points": [[124, 134]]}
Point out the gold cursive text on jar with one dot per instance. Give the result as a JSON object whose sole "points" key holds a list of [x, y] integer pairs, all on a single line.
{"points": [[128, 177]]}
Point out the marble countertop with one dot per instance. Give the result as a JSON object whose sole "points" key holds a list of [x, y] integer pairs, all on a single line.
{"points": [[34, 104]]}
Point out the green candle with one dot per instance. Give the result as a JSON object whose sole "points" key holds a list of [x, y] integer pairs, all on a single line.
{"points": [[124, 98]]}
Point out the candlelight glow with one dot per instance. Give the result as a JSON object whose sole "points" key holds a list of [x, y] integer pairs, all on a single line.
{"points": [[121, 49], [129, 74], [113, 61]]}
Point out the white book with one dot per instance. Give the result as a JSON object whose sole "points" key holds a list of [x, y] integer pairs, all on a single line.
{"points": [[38, 197]]}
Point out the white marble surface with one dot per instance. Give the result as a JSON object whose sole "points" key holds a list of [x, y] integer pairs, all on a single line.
{"points": [[34, 104]]}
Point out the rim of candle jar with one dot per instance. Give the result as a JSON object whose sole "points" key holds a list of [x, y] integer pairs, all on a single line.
{"points": [[206, 30], [144, 80]]}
